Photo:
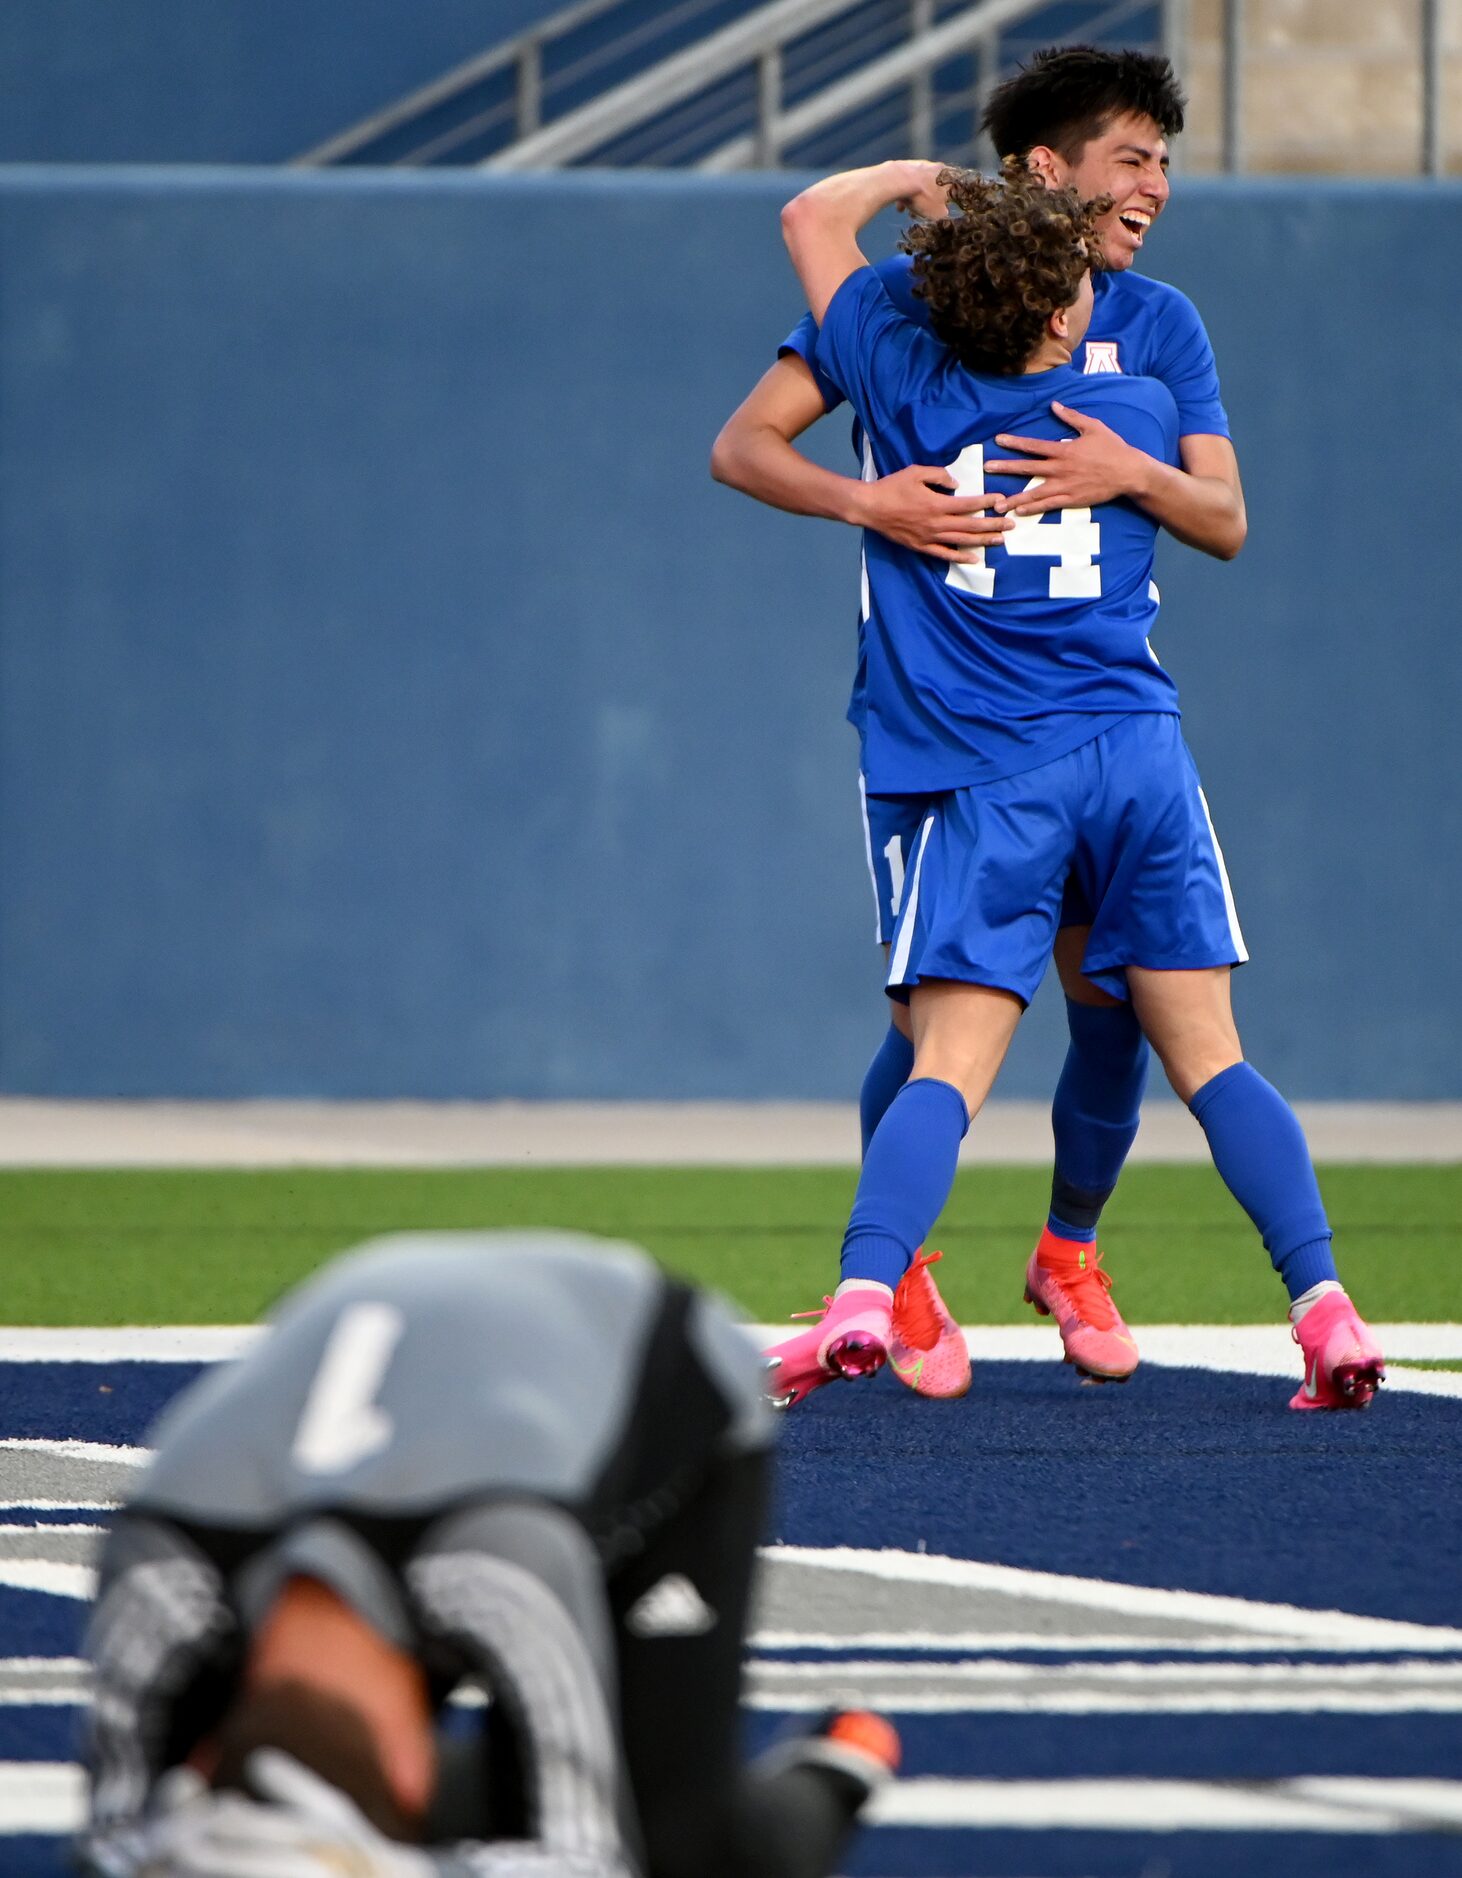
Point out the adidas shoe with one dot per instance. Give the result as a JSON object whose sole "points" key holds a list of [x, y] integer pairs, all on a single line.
{"points": [[861, 1749], [1343, 1361], [1065, 1280], [850, 1338], [927, 1352], [856, 1742]]}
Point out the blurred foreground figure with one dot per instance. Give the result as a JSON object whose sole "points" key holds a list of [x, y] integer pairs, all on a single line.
{"points": [[524, 1468]]}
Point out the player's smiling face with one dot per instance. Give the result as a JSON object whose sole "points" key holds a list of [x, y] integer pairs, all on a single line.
{"points": [[1128, 161]]}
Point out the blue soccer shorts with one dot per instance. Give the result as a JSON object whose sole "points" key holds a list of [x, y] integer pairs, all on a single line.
{"points": [[891, 827], [1117, 828]]}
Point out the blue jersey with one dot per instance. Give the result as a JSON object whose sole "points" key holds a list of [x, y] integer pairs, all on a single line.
{"points": [[981, 672], [1137, 326]]}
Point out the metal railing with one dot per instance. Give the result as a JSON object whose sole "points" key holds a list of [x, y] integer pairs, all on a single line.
{"points": [[523, 111], [700, 67], [976, 30], [771, 99]]}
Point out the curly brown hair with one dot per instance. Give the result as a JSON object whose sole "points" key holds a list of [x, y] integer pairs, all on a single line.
{"points": [[994, 273]]}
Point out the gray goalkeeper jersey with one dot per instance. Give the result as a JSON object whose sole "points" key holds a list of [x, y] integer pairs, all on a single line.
{"points": [[421, 1371], [464, 1434]]}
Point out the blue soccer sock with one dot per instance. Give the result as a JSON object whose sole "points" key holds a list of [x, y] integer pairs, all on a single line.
{"points": [[886, 1075], [1094, 1114], [907, 1174], [1260, 1152]]}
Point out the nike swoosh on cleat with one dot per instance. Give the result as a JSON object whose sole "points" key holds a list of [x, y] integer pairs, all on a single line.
{"points": [[912, 1371], [1312, 1381]]}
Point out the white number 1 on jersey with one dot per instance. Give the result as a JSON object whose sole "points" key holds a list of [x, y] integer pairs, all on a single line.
{"points": [[342, 1423], [1070, 537]]}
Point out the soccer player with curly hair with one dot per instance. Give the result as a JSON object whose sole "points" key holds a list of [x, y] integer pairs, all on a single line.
{"points": [[1099, 122], [1017, 697]]}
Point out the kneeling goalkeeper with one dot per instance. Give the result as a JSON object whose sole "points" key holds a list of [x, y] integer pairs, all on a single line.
{"points": [[450, 1575]]}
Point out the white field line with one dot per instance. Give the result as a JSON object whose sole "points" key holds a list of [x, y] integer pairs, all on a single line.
{"points": [[55, 1579], [1103, 1701], [1311, 1805], [1241, 1349], [48, 1797], [1050, 1643], [75, 1450], [1326, 1630]]}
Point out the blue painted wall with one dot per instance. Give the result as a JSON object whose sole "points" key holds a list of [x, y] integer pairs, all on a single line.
{"points": [[390, 704], [221, 81]]}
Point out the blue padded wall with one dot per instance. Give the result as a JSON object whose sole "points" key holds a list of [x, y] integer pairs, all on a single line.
{"points": [[221, 81], [390, 703]]}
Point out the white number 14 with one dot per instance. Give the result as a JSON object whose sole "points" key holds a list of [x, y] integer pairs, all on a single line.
{"points": [[1069, 537]]}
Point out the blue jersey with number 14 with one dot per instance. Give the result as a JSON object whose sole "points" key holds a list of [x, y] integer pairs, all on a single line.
{"points": [[979, 672]]}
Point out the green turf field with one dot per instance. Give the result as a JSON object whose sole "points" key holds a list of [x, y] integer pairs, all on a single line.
{"points": [[125, 1247]]}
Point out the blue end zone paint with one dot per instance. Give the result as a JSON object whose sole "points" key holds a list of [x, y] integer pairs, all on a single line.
{"points": [[114, 1402], [28, 1855], [1190, 1479], [1183, 1478], [895, 1853], [38, 1734], [1168, 1747], [33, 1624]]}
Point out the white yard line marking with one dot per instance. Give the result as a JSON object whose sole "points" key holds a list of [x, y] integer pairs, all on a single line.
{"points": [[1336, 1630], [40, 1796], [1320, 1805], [58, 1581], [48, 1797], [1243, 1349], [1052, 1643], [176, 1343], [76, 1450]]}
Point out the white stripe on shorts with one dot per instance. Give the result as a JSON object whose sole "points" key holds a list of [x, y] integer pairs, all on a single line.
{"points": [[1228, 893], [900, 961], [868, 850]]}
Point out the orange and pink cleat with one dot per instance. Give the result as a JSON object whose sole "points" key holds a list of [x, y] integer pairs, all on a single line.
{"points": [[928, 1352], [1343, 1361], [1065, 1280]]}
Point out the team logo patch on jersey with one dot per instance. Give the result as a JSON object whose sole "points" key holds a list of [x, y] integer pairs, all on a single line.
{"points": [[1101, 356], [672, 1608]]}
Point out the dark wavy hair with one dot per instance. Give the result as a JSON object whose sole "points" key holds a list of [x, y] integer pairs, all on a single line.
{"points": [[994, 273], [1066, 95]]}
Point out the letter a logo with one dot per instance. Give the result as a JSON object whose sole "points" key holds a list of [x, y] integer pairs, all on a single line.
{"points": [[1101, 356]]}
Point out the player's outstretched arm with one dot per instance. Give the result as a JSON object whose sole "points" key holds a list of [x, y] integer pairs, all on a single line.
{"points": [[1201, 504], [754, 453], [820, 227]]}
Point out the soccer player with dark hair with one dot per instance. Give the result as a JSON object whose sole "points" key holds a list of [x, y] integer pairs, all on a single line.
{"points": [[1098, 122], [522, 1470], [1018, 697]]}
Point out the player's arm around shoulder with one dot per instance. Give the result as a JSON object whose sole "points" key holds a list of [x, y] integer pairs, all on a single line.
{"points": [[754, 450], [1198, 499]]}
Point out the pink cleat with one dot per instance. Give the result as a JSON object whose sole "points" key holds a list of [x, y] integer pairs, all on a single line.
{"points": [[1343, 1361], [928, 1352], [850, 1338], [1065, 1280]]}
